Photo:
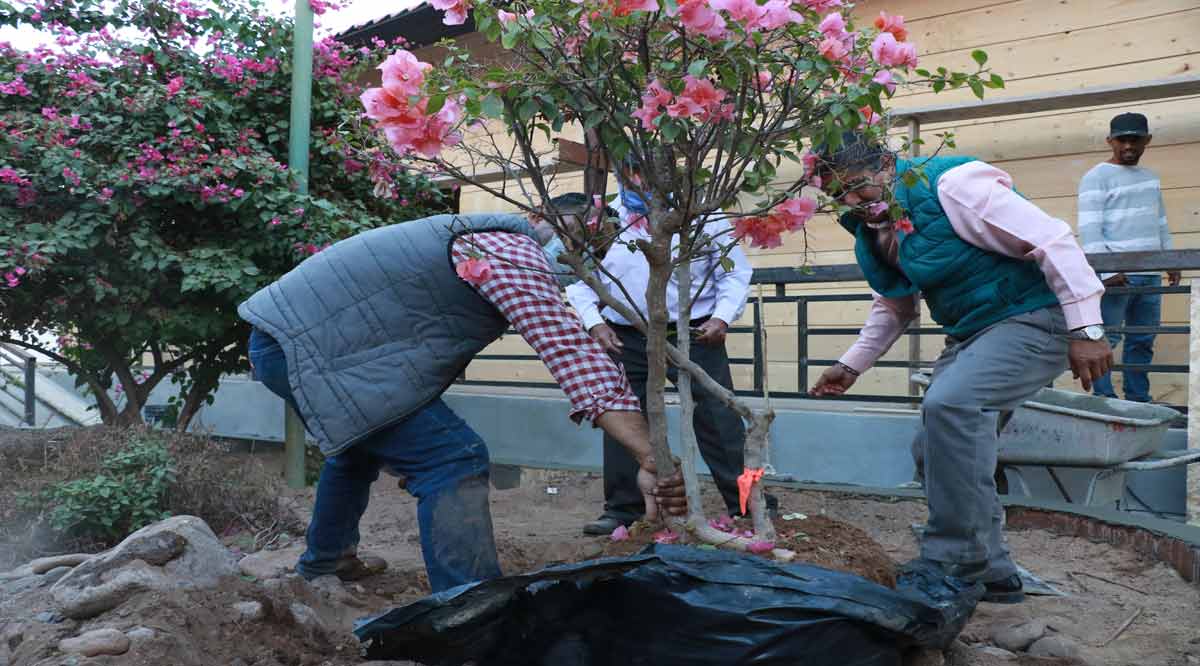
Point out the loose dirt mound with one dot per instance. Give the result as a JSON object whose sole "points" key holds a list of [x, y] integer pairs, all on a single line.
{"points": [[818, 540]]}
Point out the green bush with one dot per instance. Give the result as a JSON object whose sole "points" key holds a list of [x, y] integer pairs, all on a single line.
{"points": [[128, 493]]}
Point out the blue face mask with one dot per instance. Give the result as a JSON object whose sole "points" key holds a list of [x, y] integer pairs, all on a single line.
{"points": [[633, 202], [562, 273]]}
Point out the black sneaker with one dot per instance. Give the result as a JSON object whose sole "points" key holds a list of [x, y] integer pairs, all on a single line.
{"points": [[1004, 591], [604, 525]]}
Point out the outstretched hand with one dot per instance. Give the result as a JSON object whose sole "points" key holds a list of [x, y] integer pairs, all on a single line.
{"points": [[836, 380]]}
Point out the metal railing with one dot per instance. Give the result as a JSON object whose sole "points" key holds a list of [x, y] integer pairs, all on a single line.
{"points": [[27, 363], [781, 278]]}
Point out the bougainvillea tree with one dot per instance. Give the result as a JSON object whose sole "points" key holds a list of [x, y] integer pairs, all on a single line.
{"points": [[720, 102], [144, 191]]}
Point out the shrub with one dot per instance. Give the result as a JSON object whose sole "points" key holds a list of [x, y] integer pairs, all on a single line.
{"points": [[128, 493]]}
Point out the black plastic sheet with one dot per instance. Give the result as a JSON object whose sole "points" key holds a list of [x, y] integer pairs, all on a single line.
{"points": [[676, 605]]}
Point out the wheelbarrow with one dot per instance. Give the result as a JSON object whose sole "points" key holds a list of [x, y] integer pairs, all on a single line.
{"points": [[1104, 436]]}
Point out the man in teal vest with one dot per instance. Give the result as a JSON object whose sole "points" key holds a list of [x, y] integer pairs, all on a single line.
{"points": [[1018, 302]]}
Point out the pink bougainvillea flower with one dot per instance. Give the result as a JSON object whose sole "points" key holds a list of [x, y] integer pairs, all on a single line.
{"points": [[795, 212], [892, 24], [723, 522], [505, 17], [49, 112], [456, 10], [877, 208], [403, 74], [833, 49], [698, 16], [884, 78], [890, 53], [833, 25], [762, 232], [763, 82], [760, 547], [822, 5], [702, 91], [778, 13], [619, 534], [174, 86], [684, 107], [475, 271], [666, 536], [647, 115], [747, 12], [627, 7], [904, 225], [809, 159]]}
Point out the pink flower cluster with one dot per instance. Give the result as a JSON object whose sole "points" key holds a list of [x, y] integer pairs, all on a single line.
{"points": [[456, 10], [475, 271], [890, 48], [26, 195], [408, 126], [700, 99], [766, 231], [15, 87]]}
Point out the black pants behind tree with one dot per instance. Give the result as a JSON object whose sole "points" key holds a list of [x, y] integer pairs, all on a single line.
{"points": [[720, 432]]}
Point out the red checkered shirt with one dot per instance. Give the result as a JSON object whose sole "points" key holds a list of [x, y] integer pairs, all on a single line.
{"points": [[524, 291]]}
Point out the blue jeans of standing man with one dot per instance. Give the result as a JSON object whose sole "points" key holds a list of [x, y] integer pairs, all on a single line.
{"points": [[1132, 310], [446, 467]]}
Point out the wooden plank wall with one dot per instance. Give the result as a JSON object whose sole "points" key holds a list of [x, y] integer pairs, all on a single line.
{"points": [[1037, 46]]}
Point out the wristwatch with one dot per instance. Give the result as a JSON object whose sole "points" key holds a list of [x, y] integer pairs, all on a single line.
{"points": [[1094, 333]]}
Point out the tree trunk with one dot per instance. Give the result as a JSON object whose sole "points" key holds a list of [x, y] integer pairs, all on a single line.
{"points": [[658, 256], [687, 402], [192, 404]]}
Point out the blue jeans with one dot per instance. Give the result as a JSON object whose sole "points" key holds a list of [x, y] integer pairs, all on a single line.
{"points": [[1132, 310], [446, 467]]}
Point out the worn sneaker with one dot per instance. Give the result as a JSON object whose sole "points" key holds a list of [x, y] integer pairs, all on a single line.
{"points": [[1004, 591], [604, 526], [355, 567]]}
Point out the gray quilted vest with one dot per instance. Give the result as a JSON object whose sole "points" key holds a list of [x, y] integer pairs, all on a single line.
{"points": [[376, 326]]}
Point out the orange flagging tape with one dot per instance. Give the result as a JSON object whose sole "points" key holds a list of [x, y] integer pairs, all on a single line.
{"points": [[745, 483]]}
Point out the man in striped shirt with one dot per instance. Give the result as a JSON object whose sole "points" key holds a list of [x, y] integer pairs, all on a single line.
{"points": [[1121, 210]]}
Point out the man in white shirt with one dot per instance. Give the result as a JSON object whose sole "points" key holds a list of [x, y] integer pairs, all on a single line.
{"points": [[719, 296]]}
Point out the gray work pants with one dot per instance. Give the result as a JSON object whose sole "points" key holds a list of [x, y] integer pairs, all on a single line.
{"points": [[974, 380]]}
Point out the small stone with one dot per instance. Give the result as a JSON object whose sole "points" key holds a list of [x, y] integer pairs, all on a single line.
{"points": [[1016, 638], [44, 564], [267, 564], [248, 611], [1054, 646], [305, 616], [358, 588], [381, 592], [138, 634], [95, 643], [996, 652], [49, 617]]}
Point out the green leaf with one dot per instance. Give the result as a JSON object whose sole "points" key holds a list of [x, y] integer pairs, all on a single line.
{"points": [[976, 87], [980, 57], [527, 110], [938, 86], [508, 39], [670, 130], [997, 81], [435, 104], [697, 68], [727, 264], [492, 107]]}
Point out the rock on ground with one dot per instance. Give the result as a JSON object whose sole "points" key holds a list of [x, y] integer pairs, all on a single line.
{"points": [[267, 564], [994, 651], [179, 552], [248, 611], [1017, 637], [96, 642], [1054, 646]]}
